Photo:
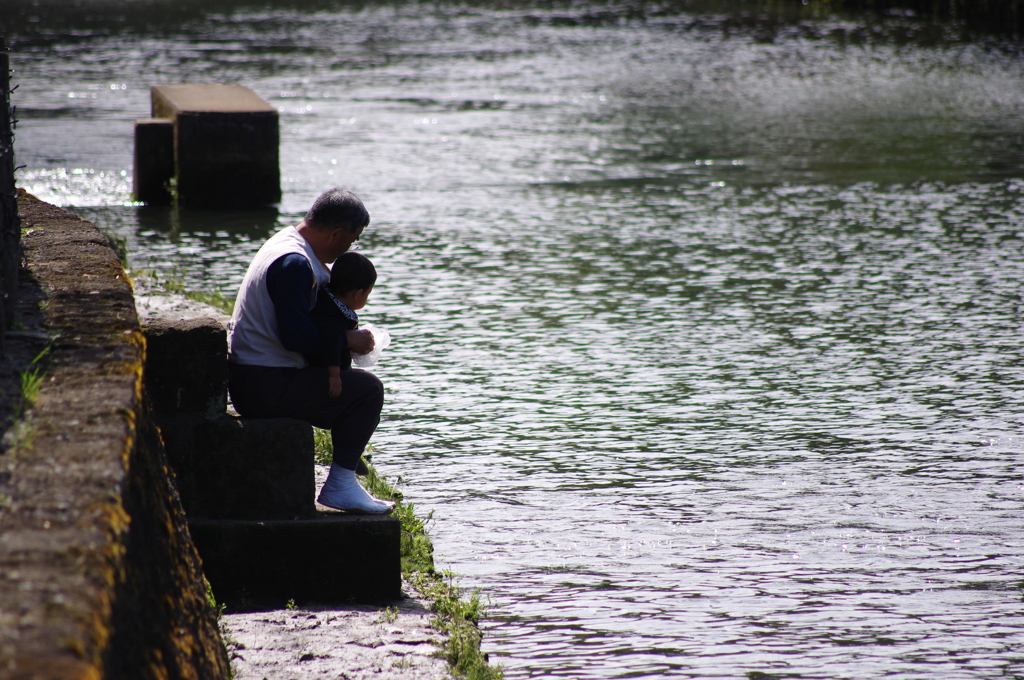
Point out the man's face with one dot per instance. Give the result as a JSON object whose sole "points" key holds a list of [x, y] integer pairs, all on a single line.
{"points": [[340, 241]]}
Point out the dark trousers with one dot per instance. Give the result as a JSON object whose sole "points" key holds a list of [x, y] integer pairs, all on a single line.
{"points": [[302, 393]]}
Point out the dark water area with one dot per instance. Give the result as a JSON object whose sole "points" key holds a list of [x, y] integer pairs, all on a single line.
{"points": [[706, 325]]}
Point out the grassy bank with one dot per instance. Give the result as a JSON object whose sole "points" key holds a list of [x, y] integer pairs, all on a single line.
{"points": [[456, 616]]}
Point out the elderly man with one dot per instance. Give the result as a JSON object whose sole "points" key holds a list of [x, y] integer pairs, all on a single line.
{"points": [[271, 334]]}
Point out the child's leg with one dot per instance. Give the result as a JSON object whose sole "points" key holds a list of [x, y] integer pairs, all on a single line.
{"points": [[362, 397]]}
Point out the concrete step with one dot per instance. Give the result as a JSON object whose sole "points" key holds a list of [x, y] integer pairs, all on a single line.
{"points": [[241, 468], [329, 558], [187, 366]]}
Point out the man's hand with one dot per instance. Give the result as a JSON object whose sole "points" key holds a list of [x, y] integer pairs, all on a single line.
{"points": [[360, 341]]}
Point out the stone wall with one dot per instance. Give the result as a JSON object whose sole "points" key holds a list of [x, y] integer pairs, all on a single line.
{"points": [[10, 254], [98, 575]]}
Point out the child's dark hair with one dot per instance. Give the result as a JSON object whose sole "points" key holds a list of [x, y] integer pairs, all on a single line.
{"points": [[352, 271]]}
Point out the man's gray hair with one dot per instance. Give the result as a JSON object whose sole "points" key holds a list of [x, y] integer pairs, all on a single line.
{"points": [[338, 209]]}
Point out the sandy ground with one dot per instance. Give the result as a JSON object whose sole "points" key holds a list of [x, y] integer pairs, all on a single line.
{"points": [[393, 640], [352, 643]]}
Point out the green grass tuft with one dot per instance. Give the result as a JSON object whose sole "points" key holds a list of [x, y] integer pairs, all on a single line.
{"points": [[31, 384], [119, 244], [214, 299], [322, 447], [21, 432], [457, 618], [174, 284]]}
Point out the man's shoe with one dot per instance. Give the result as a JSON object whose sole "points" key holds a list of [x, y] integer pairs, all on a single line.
{"points": [[372, 507], [341, 491]]}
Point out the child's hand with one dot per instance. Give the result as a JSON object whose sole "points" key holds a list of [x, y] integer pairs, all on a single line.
{"points": [[334, 385]]}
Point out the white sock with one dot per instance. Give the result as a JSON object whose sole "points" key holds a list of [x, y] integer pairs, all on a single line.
{"points": [[342, 491]]}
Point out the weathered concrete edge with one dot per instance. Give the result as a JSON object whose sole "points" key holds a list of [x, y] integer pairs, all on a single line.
{"points": [[98, 575]]}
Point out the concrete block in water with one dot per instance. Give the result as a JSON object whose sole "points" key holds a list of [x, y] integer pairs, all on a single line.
{"points": [[329, 558], [248, 468], [186, 366], [225, 144], [154, 160]]}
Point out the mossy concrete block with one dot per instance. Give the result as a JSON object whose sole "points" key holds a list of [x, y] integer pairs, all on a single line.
{"points": [[250, 468], [329, 558], [154, 160], [186, 366], [226, 142]]}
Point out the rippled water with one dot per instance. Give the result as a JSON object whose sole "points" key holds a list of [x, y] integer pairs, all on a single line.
{"points": [[706, 343]]}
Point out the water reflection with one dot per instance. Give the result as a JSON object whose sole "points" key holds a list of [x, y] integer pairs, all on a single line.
{"points": [[706, 340], [244, 225]]}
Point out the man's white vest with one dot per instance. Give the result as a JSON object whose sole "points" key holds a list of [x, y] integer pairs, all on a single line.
{"points": [[252, 334]]}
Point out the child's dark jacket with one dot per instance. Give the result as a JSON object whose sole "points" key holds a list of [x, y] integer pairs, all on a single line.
{"points": [[333, 318]]}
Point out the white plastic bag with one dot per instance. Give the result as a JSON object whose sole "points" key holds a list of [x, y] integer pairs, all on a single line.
{"points": [[381, 339]]}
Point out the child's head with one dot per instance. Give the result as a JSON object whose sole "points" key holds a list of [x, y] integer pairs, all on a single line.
{"points": [[352, 277]]}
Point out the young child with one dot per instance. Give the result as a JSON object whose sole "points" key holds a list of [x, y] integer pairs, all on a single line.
{"points": [[352, 279]]}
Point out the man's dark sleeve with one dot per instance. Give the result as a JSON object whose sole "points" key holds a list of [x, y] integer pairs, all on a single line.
{"points": [[290, 283]]}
